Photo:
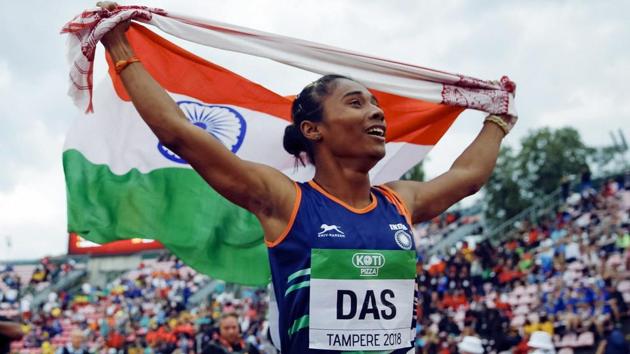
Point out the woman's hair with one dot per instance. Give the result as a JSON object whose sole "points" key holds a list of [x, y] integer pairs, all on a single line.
{"points": [[308, 105]]}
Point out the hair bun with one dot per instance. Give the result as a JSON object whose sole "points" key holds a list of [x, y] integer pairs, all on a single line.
{"points": [[293, 140]]}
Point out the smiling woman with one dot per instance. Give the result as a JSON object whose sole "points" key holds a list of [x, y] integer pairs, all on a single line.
{"points": [[309, 108], [354, 291], [341, 251]]}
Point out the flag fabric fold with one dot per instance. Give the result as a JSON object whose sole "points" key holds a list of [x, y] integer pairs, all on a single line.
{"points": [[384, 75], [122, 183]]}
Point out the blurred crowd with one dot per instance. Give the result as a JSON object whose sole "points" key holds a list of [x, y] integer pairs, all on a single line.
{"points": [[567, 275], [19, 283], [146, 311], [563, 281]]}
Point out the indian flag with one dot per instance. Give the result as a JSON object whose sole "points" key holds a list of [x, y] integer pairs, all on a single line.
{"points": [[122, 183]]}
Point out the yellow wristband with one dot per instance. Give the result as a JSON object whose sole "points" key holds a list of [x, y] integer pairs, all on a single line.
{"points": [[122, 64], [498, 121]]}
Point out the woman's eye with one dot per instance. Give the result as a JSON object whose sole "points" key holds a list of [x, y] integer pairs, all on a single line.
{"points": [[356, 103]]}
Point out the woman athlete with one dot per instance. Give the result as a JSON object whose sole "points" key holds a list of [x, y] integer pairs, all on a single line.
{"points": [[341, 253]]}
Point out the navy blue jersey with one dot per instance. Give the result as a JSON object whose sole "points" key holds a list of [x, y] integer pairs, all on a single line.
{"points": [[324, 225]]}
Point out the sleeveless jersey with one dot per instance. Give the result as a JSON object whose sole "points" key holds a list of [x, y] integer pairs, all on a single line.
{"points": [[343, 277]]}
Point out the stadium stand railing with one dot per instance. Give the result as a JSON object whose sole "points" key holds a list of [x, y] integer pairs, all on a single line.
{"points": [[533, 213], [456, 236]]}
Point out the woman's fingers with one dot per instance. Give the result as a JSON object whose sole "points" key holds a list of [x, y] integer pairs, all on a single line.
{"points": [[107, 5]]}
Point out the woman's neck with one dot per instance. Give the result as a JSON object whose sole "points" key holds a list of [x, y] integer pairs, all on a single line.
{"points": [[350, 185]]}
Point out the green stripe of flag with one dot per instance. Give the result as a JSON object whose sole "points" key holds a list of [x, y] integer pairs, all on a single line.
{"points": [[205, 230]]}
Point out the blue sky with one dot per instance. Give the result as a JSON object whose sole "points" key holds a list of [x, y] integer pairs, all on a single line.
{"points": [[570, 59]]}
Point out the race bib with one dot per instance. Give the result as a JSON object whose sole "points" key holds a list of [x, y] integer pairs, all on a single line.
{"points": [[361, 299]]}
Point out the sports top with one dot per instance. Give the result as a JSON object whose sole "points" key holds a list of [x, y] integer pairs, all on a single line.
{"points": [[344, 277]]}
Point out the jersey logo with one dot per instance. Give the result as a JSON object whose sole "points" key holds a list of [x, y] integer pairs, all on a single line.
{"points": [[368, 263], [403, 240], [330, 231], [396, 227]]}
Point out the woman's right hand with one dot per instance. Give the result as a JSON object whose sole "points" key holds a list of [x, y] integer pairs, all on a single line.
{"points": [[107, 5], [117, 33]]}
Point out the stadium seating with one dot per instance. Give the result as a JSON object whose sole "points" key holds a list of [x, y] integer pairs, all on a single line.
{"points": [[500, 291]]}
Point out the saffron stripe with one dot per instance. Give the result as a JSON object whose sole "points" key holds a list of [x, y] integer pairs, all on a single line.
{"points": [[298, 324], [297, 286], [299, 273]]}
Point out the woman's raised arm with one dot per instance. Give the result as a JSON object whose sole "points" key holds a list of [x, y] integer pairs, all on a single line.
{"points": [[467, 175], [258, 188]]}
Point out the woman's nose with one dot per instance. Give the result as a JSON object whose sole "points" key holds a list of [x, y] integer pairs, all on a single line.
{"points": [[377, 113]]}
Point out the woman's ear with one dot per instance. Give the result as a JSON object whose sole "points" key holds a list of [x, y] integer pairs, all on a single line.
{"points": [[310, 130]]}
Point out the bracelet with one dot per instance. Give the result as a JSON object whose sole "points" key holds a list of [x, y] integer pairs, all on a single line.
{"points": [[122, 64], [498, 121]]}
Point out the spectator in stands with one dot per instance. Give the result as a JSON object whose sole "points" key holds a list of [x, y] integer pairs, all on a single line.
{"points": [[38, 278], [115, 339], [448, 325], [470, 345], [615, 343], [615, 300], [546, 324], [565, 185], [540, 343], [204, 335], [76, 345], [229, 339], [511, 339], [9, 331]]}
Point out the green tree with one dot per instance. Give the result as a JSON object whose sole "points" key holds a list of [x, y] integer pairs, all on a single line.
{"points": [[534, 172], [503, 195], [547, 155]]}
